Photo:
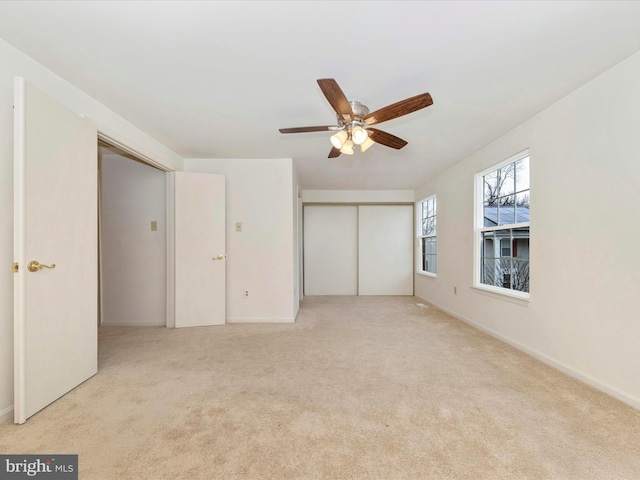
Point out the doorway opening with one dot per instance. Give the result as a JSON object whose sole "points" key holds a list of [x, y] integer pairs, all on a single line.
{"points": [[132, 239]]}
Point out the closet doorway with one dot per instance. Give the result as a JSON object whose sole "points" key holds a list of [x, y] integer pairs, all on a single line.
{"points": [[132, 240]]}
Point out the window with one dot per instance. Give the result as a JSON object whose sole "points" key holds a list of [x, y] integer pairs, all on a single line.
{"points": [[502, 226], [427, 235]]}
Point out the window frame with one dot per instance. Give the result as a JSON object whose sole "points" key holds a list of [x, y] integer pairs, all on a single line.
{"points": [[479, 229], [421, 237]]}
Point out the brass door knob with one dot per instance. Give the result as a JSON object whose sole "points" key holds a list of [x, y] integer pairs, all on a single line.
{"points": [[220, 257], [34, 266]]}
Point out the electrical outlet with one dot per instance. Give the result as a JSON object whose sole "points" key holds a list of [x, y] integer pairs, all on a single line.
{"points": [[455, 290], [154, 226], [245, 293], [238, 226]]}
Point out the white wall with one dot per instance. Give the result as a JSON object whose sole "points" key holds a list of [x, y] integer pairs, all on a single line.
{"points": [[14, 63], [134, 261], [260, 196], [585, 274], [357, 196]]}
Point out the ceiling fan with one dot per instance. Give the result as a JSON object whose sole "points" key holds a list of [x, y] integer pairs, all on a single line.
{"points": [[354, 120]]}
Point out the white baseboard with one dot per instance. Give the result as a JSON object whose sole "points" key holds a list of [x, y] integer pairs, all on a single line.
{"points": [[6, 414], [259, 320], [132, 324], [552, 362]]}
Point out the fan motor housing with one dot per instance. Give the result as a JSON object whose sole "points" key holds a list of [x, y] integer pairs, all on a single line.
{"points": [[359, 110]]}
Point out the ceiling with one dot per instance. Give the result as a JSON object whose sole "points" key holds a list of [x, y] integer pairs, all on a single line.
{"points": [[217, 79]]}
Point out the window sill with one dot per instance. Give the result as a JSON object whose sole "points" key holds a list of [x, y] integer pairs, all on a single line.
{"points": [[427, 274], [519, 298]]}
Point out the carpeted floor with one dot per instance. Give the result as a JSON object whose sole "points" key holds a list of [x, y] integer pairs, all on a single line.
{"points": [[357, 388]]}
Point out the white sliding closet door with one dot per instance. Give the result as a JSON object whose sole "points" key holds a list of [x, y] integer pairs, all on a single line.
{"points": [[385, 249], [358, 250], [330, 250]]}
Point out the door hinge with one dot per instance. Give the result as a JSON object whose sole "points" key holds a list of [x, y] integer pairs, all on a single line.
{"points": [[14, 267]]}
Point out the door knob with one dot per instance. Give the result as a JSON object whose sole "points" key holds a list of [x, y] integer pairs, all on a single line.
{"points": [[34, 266], [220, 257]]}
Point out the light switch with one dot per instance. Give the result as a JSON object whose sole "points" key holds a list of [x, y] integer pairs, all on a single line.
{"points": [[154, 226], [238, 226]]}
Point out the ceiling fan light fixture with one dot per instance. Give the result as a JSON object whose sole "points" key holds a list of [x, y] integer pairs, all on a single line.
{"points": [[339, 139], [355, 124], [366, 144], [347, 148], [359, 135]]}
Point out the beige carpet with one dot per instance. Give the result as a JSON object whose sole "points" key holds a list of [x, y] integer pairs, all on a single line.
{"points": [[357, 388]]}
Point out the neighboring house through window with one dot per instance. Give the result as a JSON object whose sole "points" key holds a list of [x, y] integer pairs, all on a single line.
{"points": [[502, 226], [427, 235]]}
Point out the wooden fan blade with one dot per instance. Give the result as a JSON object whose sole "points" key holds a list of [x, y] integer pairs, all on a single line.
{"points": [[336, 98], [306, 129], [334, 153], [385, 138], [399, 109]]}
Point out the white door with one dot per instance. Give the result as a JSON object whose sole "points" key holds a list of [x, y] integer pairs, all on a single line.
{"points": [[55, 224], [385, 239], [200, 258], [330, 250]]}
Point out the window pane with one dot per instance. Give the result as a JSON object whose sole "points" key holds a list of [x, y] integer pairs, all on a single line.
{"points": [[429, 226], [425, 210], [490, 186], [428, 216], [505, 259], [499, 194], [490, 216], [506, 210], [428, 212], [506, 180], [520, 274], [489, 270], [487, 244], [429, 254], [522, 207], [431, 264], [521, 242], [522, 174], [431, 246]]}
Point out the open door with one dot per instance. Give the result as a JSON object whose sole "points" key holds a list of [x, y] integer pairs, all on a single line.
{"points": [[55, 250], [200, 258]]}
